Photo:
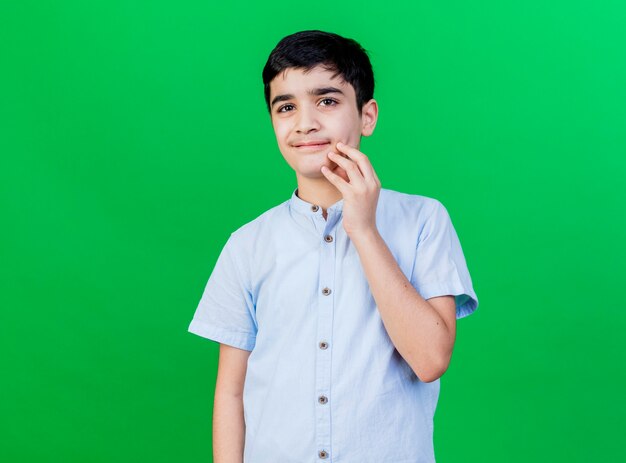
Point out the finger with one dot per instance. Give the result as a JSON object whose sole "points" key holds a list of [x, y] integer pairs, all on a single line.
{"points": [[349, 166], [359, 158], [335, 179], [341, 172], [376, 177]]}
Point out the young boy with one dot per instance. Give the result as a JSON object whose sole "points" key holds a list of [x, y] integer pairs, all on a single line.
{"points": [[335, 310]]}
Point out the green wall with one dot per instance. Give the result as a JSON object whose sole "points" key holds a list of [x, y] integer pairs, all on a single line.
{"points": [[134, 139]]}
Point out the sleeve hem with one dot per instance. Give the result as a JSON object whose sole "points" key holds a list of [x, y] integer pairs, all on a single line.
{"points": [[466, 301], [237, 339]]}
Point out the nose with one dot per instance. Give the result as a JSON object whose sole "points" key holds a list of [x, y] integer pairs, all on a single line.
{"points": [[307, 121]]}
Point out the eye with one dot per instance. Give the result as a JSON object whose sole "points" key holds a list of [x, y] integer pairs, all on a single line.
{"points": [[283, 107], [329, 101]]}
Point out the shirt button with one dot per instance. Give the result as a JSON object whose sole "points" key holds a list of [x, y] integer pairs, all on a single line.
{"points": [[326, 291], [322, 399], [328, 239], [323, 345], [322, 454], [315, 208]]}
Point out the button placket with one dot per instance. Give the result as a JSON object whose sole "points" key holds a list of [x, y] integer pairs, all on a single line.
{"points": [[324, 336]]}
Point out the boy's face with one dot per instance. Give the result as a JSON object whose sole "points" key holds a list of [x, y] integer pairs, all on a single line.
{"points": [[313, 111]]}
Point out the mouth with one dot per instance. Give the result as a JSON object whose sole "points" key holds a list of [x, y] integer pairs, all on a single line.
{"points": [[312, 146]]}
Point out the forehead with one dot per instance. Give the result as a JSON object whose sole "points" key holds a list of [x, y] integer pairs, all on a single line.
{"points": [[299, 82]]}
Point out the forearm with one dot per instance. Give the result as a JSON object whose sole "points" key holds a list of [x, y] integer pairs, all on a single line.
{"points": [[417, 331], [228, 428]]}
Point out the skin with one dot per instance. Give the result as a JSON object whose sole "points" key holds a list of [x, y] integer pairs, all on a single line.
{"points": [[332, 117], [228, 418], [423, 331]]}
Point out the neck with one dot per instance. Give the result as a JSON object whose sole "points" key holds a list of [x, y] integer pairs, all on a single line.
{"points": [[318, 191]]}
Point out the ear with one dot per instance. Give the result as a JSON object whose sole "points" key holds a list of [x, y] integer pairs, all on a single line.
{"points": [[369, 116]]}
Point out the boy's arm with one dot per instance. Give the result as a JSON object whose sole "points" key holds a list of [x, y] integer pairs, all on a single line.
{"points": [[422, 331], [228, 421]]}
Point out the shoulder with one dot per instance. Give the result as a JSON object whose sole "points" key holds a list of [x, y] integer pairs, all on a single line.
{"points": [[244, 238], [413, 206], [403, 217]]}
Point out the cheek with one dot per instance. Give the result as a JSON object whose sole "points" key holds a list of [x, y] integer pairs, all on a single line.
{"points": [[352, 133], [349, 124], [281, 132]]}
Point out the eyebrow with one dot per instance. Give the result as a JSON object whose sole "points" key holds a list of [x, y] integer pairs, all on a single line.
{"points": [[313, 92]]}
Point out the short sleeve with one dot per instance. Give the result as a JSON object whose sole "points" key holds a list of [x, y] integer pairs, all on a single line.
{"points": [[440, 268], [226, 311]]}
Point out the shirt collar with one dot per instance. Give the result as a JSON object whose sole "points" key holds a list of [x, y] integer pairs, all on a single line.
{"points": [[309, 209]]}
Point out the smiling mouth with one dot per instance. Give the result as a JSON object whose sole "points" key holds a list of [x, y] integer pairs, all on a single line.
{"points": [[313, 147]]}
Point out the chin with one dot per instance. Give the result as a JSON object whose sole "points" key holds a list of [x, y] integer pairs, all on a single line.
{"points": [[310, 167], [309, 173]]}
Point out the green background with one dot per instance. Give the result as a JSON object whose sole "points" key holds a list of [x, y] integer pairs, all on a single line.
{"points": [[134, 139]]}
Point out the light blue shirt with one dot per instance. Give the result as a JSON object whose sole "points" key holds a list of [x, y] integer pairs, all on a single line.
{"points": [[324, 382]]}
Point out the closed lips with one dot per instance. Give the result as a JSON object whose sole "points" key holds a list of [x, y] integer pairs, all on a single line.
{"points": [[312, 143]]}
